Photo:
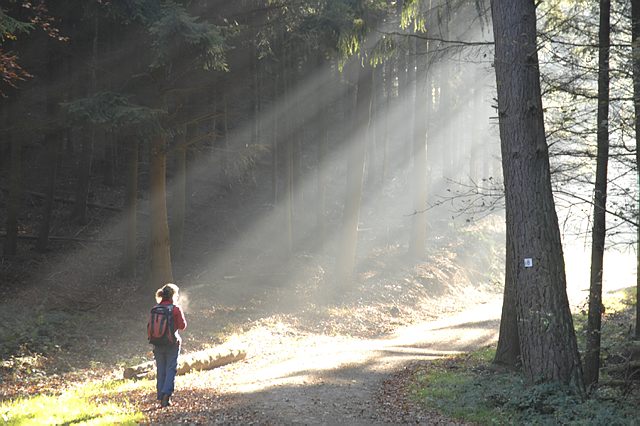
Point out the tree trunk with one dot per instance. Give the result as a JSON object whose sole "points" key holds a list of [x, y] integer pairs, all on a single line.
{"points": [[418, 239], [214, 129], [321, 133], [388, 84], [13, 202], [372, 168], [635, 18], [109, 174], [161, 272], [296, 118], [355, 173], [403, 133], [224, 153], [277, 118], [255, 129], [52, 145], [130, 208], [84, 165], [508, 350], [179, 201], [594, 320], [84, 178], [287, 200], [545, 327]]}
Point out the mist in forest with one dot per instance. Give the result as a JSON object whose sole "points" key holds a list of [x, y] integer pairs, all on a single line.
{"points": [[463, 166], [266, 183], [238, 212]]}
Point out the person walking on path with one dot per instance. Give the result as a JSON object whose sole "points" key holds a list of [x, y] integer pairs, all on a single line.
{"points": [[166, 346]]}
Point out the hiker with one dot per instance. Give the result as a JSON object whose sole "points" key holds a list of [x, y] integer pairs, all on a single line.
{"points": [[166, 319]]}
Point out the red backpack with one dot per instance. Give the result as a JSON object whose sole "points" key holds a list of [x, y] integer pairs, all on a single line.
{"points": [[160, 329]]}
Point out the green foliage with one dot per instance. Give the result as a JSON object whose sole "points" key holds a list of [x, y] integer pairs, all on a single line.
{"points": [[353, 24], [83, 405], [465, 388], [325, 26], [144, 11], [383, 50], [351, 38], [177, 33], [413, 15], [619, 314], [9, 26], [114, 112], [176, 36]]}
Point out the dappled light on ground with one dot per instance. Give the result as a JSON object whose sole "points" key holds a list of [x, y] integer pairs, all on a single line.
{"points": [[292, 376]]}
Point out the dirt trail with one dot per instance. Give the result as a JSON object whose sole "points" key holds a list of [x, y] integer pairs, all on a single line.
{"points": [[311, 379]]}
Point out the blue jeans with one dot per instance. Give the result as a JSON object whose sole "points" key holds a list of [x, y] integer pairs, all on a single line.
{"points": [[167, 366]]}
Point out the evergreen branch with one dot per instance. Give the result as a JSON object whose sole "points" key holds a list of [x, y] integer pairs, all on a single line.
{"points": [[441, 40]]}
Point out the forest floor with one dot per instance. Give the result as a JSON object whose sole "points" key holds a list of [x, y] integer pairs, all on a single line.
{"points": [[296, 377], [315, 353], [309, 359]]}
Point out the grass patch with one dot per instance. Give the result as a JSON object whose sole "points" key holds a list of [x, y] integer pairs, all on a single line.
{"points": [[467, 388], [89, 404]]}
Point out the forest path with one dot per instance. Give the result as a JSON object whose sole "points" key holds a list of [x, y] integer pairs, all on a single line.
{"points": [[310, 379]]}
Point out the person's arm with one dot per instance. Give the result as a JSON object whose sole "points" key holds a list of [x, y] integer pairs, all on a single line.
{"points": [[178, 318]]}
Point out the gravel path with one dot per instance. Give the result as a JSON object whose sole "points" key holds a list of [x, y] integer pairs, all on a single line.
{"points": [[293, 378]]}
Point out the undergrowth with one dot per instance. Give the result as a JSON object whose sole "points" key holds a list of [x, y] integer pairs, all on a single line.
{"points": [[465, 388], [469, 388]]}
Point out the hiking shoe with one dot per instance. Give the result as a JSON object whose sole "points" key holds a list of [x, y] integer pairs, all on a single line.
{"points": [[164, 402]]}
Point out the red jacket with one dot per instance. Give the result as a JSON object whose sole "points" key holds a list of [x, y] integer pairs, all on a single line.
{"points": [[179, 322]]}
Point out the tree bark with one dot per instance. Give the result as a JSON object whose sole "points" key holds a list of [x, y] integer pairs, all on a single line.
{"points": [[388, 84], [545, 327], [594, 319], [635, 33], [508, 350], [418, 239], [109, 170], [275, 138], [355, 173], [322, 134], [161, 272], [84, 178], [52, 146], [224, 153], [214, 128], [287, 122], [84, 165], [130, 208], [13, 202], [179, 201]]}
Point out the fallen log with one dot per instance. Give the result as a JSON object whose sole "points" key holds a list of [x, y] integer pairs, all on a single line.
{"points": [[195, 361]]}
